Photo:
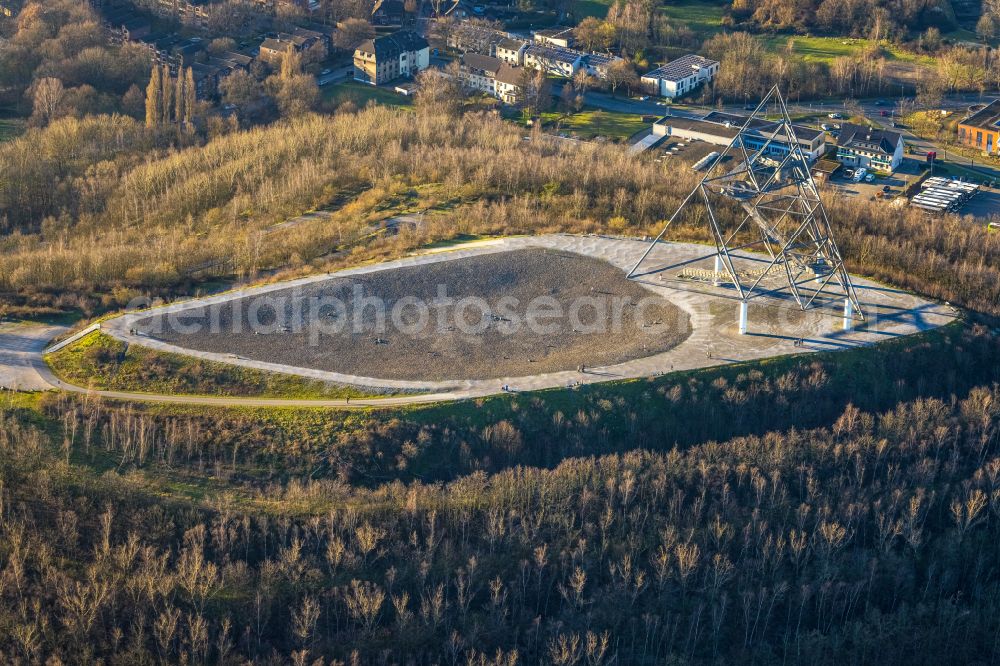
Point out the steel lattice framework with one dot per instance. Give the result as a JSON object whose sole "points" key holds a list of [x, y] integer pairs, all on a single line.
{"points": [[777, 194]]}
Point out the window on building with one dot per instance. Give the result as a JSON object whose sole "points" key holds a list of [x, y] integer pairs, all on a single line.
{"points": [[979, 138]]}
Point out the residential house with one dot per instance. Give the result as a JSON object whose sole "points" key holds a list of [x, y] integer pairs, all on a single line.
{"points": [[314, 37], [560, 36], [469, 37], [681, 76], [380, 60], [236, 60], [511, 51], [508, 83], [125, 25], [301, 40], [721, 128], [272, 50], [478, 72], [875, 149], [220, 66], [597, 64], [207, 77], [491, 75], [981, 130], [188, 12], [388, 12], [553, 60]]}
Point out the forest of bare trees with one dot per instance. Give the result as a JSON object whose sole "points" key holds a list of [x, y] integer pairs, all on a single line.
{"points": [[637, 538]]}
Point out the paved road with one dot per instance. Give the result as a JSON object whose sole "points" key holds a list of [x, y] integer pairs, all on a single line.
{"points": [[621, 104], [21, 365], [22, 369]]}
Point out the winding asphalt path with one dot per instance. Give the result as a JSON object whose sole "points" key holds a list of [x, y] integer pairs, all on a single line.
{"points": [[22, 368], [777, 329]]}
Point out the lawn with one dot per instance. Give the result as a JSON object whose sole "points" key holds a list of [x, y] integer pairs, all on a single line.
{"points": [[827, 49], [361, 94], [589, 124], [104, 363], [701, 16], [585, 8]]}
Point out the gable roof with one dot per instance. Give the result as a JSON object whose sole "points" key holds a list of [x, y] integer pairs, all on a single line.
{"points": [[511, 44], [599, 59], [868, 139], [987, 118], [483, 63], [272, 44], [390, 46], [509, 74], [683, 67], [553, 53]]}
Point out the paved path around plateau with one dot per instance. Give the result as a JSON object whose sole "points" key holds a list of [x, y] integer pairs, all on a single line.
{"points": [[23, 369], [777, 328]]}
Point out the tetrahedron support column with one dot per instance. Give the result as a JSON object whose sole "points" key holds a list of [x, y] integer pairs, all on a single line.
{"points": [[764, 174]]}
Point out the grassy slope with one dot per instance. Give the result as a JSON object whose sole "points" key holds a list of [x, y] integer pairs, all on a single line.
{"points": [[827, 49], [102, 362], [361, 94], [591, 123], [848, 379], [702, 16]]}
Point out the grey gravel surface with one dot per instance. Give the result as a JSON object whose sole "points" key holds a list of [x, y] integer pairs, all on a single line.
{"points": [[424, 334]]}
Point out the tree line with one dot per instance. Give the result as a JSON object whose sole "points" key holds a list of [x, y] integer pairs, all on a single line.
{"points": [[862, 538]]}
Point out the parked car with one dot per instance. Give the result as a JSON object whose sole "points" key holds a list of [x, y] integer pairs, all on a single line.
{"points": [[849, 173], [870, 178], [826, 127], [860, 174], [834, 116]]}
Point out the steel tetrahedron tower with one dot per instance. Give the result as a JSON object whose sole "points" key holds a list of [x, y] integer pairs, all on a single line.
{"points": [[759, 196]]}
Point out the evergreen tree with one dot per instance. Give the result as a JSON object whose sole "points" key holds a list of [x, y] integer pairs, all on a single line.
{"points": [[153, 97]]}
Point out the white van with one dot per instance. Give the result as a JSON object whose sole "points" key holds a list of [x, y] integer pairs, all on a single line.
{"points": [[860, 174]]}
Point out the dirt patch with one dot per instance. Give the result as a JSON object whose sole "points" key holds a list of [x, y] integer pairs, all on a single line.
{"points": [[492, 315]]}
